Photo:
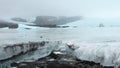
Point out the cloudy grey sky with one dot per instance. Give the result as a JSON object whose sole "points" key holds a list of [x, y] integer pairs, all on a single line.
{"points": [[86, 8]]}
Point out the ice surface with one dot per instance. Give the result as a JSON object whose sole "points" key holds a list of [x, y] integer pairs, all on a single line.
{"points": [[92, 43], [107, 54], [94, 22], [44, 47]]}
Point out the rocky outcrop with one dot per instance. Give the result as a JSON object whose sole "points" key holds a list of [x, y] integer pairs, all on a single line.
{"points": [[19, 19], [8, 24], [56, 60], [51, 21], [12, 26], [101, 25]]}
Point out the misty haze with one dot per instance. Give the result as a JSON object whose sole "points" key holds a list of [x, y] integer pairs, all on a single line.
{"points": [[59, 34]]}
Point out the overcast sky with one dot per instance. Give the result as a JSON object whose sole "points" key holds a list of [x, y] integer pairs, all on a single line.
{"points": [[86, 8]]}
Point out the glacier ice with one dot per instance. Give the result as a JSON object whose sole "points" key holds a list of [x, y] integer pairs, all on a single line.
{"points": [[100, 45], [107, 54], [44, 47]]}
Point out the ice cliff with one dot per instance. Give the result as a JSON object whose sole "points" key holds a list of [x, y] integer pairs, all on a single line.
{"points": [[107, 54], [10, 50]]}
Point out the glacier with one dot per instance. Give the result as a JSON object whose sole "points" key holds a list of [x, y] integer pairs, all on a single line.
{"points": [[11, 50], [89, 42], [107, 54]]}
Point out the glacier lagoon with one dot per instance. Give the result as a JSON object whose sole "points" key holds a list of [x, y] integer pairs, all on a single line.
{"points": [[101, 42]]}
